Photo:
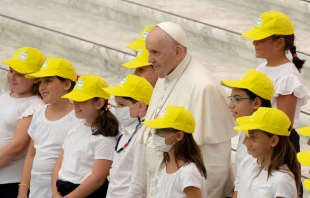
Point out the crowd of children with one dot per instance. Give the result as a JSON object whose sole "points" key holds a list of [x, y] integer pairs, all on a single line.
{"points": [[60, 138]]}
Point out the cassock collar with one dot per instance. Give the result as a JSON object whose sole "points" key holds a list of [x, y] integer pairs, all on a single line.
{"points": [[177, 72]]}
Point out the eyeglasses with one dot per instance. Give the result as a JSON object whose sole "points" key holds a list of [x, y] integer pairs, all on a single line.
{"points": [[236, 100], [161, 131]]}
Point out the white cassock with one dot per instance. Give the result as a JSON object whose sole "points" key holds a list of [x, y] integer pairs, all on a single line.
{"points": [[193, 86]]}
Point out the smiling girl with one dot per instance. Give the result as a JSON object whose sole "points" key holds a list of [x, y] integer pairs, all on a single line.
{"points": [[86, 158], [272, 169], [49, 126], [22, 97]]}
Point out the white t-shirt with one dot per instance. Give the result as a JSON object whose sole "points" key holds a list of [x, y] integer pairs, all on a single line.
{"points": [[48, 137], [81, 149], [173, 185], [241, 151], [11, 110], [128, 173], [249, 185], [287, 80]]}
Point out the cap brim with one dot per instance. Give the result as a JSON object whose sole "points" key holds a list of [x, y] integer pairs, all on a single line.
{"points": [[156, 124], [77, 96], [307, 184], [304, 157], [133, 45], [135, 64], [116, 91], [256, 34], [245, 125], [233, 84], [304, 131], [18, 66], [40, 74]]}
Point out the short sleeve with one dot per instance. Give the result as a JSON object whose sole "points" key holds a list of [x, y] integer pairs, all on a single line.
{"points": [[103, 147], [32, 126], [31, 110], [289, 84], [191, 176], [285, 186]]}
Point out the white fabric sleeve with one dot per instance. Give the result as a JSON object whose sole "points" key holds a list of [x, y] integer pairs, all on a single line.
{"points": [[137, 187], [191, 176], [285, 186], [103, 147], [30, 111], [32, 126], [289, 84]]}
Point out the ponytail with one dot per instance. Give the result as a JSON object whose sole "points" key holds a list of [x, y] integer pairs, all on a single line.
{"points": [[290, 46], [106, 123]]}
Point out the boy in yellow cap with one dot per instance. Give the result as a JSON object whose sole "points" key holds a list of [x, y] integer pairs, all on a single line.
{"points": [[127, 176], [141, 64], [22, 97], [251, 91], [273, 35], [49, 127], [182, 172], [272, 169], [304, 158]]}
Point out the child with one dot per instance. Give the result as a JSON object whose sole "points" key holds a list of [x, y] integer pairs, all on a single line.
{"points": [[23, 96], [182, 172], [127, 176], [272, 37], [49, 126], [272, 169], [86, 158], [251, 91], [304, 132]]}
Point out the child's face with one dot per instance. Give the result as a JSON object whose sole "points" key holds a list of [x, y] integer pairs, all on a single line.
{"points": [[134, 109], [52, 89], [88, 110], [148, 73], [19, 84], [266, 48], [240, 104], [259, 144]]}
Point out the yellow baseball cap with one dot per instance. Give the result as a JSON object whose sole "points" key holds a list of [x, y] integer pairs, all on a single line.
{"points": [[255, 81], [55, 67], [175, 117], [304, 158], [133, 86], [88, 87], [305, 131], [26, 60], [270, 23], [141, 60], [135, 45], [270, 120]]}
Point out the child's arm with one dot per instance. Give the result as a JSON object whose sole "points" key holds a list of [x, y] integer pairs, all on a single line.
{"points": [[235, 195], [18, 144], [55, 173], [137, 185], [287, 104], [97, 178], [26, 174], [192, 192]]}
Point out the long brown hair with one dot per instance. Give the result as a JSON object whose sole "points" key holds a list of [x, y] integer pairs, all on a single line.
{"points": [[188, 151], [106, 123], [284, 153]]}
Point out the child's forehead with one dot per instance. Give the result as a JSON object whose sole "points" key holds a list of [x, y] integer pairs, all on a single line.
{"points": [[119, 99]]}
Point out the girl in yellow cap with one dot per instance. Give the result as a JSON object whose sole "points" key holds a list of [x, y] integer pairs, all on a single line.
{"points": [[49, 126], [86, 158], [273, 35], [181, 173], [251, 91], [21, 98], [272, 169]]}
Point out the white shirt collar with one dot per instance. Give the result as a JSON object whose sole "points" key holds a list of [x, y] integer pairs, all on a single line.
{"points": [[131, 128], [179, 69]]}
